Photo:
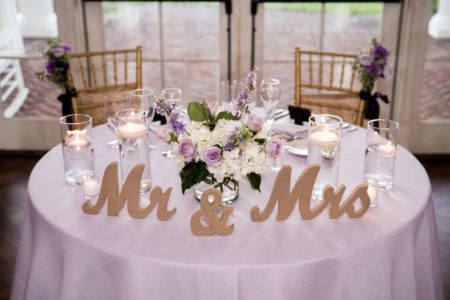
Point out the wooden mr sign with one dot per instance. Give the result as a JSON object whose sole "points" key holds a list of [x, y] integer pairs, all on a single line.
{"points": [[216, 216]]}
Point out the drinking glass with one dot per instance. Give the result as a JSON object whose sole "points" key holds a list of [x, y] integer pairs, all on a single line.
{"points": [[132, 129], [78, 151], [324, 142], [239, 86], [381, 150], [112, 107], [270, 95], [143, 99], [174, 96], [227, 91]]}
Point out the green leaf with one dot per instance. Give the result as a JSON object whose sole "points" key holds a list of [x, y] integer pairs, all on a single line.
{"points": [[255, 180], [260, 141], [193, 173], [226, 115], [199, 112]]}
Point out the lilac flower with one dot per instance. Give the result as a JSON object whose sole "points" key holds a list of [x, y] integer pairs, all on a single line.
{"points": [[380, 52], [212, 156], [228, 146], [374, 69], [58, 52], [186, 149], [164, 107], [177, 126], [274, 148], [365, 60], [254, 123]]}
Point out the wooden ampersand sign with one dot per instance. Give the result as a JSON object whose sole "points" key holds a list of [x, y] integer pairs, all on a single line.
{"points": [[130, 194], [302, 192], [208, 210]]}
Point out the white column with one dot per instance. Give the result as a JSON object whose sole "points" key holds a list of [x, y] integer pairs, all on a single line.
{"points": [[37, 18], [10, 38], [439, 25]]}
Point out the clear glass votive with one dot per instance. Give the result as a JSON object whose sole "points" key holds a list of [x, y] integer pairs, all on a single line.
{"points": [[132, 131], [381, 150], [78, 151], [324, 142]]}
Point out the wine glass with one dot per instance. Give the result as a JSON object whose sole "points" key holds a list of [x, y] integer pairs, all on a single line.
{"points": [[174, 96], [270, 96], [143, 99], [112, 106]]}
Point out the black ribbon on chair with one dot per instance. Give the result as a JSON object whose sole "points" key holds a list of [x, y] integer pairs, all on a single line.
{"points": [[66, 101], [372, 107]]}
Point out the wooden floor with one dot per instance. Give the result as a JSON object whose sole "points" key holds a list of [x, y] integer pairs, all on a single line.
{"points": [[14, 172]]}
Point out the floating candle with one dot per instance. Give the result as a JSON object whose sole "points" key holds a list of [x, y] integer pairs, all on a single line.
{"points": [[324, 138], [386, 151], [372, 192], [132, 130], [91, 187], [76, 141]]}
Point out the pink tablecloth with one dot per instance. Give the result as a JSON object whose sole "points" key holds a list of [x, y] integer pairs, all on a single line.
{"points": [[390, 253]]}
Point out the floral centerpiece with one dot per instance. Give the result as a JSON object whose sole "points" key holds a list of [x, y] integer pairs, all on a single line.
{"points": [[56, 69], [370, 66], [220, 149]]}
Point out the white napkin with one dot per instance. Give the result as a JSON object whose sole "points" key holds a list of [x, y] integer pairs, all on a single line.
{"points": [[289, 128]]}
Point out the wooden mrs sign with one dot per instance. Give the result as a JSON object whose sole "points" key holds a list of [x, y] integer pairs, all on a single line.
{"points": [[302, 191], [129, 194]]}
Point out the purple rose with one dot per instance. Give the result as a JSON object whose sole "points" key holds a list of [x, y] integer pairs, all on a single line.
{"points": [[365, 60], [255, 123], [66, 47], [50, 66], [274, 148], [58, 52], [380, 52], [374, 69], [186, 149], [212, 156]]}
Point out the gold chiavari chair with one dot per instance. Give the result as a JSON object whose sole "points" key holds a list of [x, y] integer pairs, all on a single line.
{"points": [[325, 82], [98, 74]]}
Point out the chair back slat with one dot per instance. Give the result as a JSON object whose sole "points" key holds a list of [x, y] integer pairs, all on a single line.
{"points": [[115, 69], [92, 71], [105, 72], [320, 70], [82, 72], [331, 72], [310, 69], [341, 82], [125, 68]]}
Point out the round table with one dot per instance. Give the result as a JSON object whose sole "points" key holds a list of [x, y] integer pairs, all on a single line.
{"points": [[389, 253]]}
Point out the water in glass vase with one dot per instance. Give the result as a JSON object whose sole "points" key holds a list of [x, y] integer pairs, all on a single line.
{"points": [[379, 167], [78, 162], [229, 194], [328, 159]]}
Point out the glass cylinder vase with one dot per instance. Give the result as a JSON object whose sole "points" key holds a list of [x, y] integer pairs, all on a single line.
{"points": [[132, 131], [324, 142], [78, 151], [229, 192], [381, 150]]}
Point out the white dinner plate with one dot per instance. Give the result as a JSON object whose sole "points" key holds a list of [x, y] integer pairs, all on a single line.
{"points": [[297, 147]]}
